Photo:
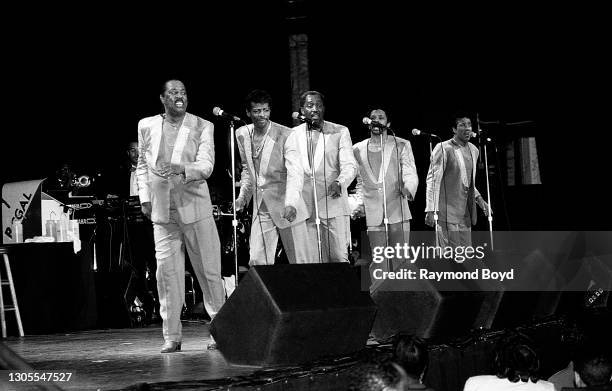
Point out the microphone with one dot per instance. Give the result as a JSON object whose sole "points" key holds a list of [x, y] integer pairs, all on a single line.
{"points": [[367, 121], [300, 117], [222, 113], [417, 132]]}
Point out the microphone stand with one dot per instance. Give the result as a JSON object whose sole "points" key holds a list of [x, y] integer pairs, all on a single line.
{"points": [[436, 195], [314, 188], [384, 191], [490, 217], [234, 219]]}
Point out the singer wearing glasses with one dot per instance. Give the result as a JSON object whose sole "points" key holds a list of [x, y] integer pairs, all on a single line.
{"points": [[176, 158], [385, 160], [272, 175], [327, 147], [451, 188]]}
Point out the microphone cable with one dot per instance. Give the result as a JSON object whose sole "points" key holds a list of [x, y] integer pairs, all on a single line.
{"points": [[400, 180], [500, 184], [436, 194], [473, 181], [384, 173], [445, 192], [310, 152], [325, 183]]}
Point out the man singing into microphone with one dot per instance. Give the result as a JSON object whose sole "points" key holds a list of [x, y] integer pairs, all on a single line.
{"points": [[327, 147], [176, 157], [451, 188], [385, 160], [272, 175]]}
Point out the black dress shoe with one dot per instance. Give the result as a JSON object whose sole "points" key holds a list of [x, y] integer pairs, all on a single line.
{"points": [[212, 345], [171, 347]]}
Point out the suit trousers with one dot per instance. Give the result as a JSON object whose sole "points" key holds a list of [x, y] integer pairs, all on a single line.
{"points": [[202, 242], [334, 239], [399, 233], [264, 238], [453, 234]]}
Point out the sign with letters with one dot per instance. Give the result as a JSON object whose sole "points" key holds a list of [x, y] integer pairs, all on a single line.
{"points": [[26, 202]]}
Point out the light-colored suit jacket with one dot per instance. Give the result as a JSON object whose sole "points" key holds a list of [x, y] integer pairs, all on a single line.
{"points": [[281, 175], [195, 148], [446, 191], [369, 184], [335, 162]]}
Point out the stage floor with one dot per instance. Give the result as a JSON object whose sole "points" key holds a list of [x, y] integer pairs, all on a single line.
{"points": [[118, 358], [129, 359]]}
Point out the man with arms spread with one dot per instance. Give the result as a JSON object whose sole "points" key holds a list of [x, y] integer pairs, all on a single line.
{"points": [[176, 157]]}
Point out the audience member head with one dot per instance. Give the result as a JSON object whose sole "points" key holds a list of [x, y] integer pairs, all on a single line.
{"points": [[516, 359], [593, 365], [410, 352], [378, 376]]}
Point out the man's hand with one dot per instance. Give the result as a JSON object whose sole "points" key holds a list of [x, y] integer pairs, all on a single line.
{"points": [[484, 206], [146, 209], [240, 204], [358, 212], [289, 213], [334, 190], [406, 193], [429, 219], [169, 169]]}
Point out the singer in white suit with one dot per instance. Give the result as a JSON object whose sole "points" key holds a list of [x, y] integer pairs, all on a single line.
{"points": [[176, 158], [393, 161], [272, 175], [451, 187], [327, 147]]}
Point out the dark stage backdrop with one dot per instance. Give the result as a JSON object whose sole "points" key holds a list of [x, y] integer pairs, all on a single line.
{"points": [[76, 86]]}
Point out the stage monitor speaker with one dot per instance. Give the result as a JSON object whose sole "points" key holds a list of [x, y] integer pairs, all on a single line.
{"points": [[520, 308], [426, 312], [287, 314]]}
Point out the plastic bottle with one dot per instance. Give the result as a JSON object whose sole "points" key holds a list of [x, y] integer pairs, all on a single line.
{"points": [[18, 231]]}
